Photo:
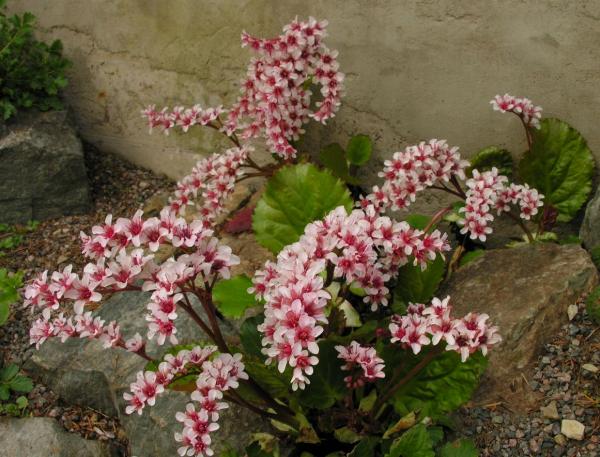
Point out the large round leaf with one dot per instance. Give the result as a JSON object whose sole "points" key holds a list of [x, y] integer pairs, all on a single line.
{"points": [[295, 196], [442, 386], [231, 296], [560, 165]]}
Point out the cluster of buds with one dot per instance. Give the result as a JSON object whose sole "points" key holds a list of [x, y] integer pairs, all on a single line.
{"points": [[217, 376], [428, 325], [181, 117], [522, 107], [213, 178], [363, 248], [413, 170], [488, 191], [363, 357]]}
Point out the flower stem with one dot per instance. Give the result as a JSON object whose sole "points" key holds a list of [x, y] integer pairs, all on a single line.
{"points": [[521, 224]]}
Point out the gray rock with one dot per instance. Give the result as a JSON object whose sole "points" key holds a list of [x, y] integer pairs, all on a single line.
{"points": [[42, 170], [590, 228], [82, 372], [526, 291], [43, 437]]}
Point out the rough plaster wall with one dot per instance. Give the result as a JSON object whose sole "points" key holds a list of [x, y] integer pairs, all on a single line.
{"points": [[416, 69]]}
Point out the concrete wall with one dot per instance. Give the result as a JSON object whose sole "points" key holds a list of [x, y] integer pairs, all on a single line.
{"points": [[416, 69]]}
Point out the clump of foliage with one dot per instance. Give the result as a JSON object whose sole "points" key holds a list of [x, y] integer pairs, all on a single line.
{"points": [[11, 385], [9, 294], [32, 72], [592, 305], [348, 351], [11, 236]]}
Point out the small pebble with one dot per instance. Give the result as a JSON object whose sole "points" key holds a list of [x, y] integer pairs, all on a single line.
{"points": [[572, 429], [572, 311]]}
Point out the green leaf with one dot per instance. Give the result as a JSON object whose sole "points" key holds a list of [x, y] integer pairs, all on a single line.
{"points": [[351, 316], [442, 385], [595, 253], [4, 392], [269, 378], [231, 296], [490, 157], [295, 196], [185, 383], [404, 423], [470, 256], [22, 402], [327, 382], [459, 448], [251, 338], [418, 221], [560, 166], [4, 311], [359, 149], [333, 158], [8, 372], [254, 450], [436, 434], [592, 305], [366, 448], [346, 435], [21, 384], [414, 443], [366, 403], [418, 286]]}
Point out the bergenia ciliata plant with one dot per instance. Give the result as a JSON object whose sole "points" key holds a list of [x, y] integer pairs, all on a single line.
{"points": [[342, 268]]}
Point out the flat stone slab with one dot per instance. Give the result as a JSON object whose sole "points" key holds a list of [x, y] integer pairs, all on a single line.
{"points": [[82, 372], [44, 437], [526, 291]]}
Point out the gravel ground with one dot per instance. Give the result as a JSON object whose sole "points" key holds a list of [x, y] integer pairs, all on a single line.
{"points": [[117, 187], [560, 379]]}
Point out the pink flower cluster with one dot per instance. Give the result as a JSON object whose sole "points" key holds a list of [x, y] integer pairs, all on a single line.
{"points": [[209, 261], [214, 178], [117, 268], [522, 107], [181, 117], [81, 325], [149, 384], [363, 357], [428, 325], [413, 170], [217, 377], [488, 191], [362, 247], [275, 100]]}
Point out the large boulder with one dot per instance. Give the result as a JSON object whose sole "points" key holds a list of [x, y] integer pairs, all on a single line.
{"points": [[526, 291], [42, 170], [82, 372], [590, 228], [43, 437]]}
